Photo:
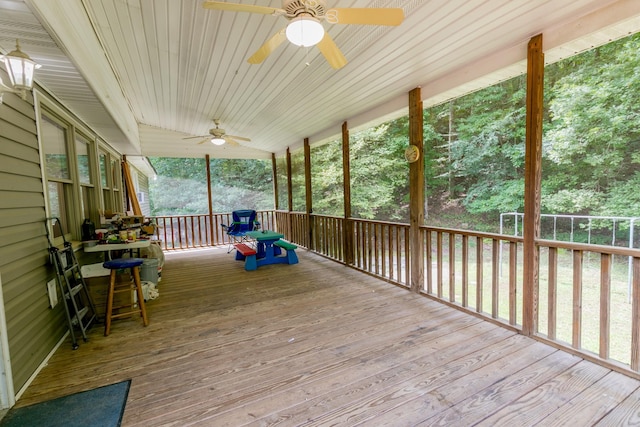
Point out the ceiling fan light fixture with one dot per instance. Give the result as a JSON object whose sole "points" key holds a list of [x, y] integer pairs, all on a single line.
{"points": [[304, 30], [217, 141]]}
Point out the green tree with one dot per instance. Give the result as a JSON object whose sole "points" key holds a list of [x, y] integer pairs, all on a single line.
{"points": [[379, 175], [181, 186], [327, 179], [592, 142]]}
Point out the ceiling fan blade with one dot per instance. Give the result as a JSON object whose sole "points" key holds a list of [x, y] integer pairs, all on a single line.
{"points": [[269, 46], [204, 140], [221, 5], [194, 137], [331, 52], [230, 140], [365, 16], [241, 138]]}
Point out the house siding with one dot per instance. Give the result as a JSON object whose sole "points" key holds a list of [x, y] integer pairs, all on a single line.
{"points": [[33, 328], [143, 187]]}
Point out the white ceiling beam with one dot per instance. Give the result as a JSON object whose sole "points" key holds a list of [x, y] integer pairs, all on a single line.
{"points": [[67, 23]]}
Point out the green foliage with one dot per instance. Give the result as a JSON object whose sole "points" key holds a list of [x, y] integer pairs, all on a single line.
{"points": [[379, 174], [592, 139], [297, 182], [181, 186], [327, 179]]}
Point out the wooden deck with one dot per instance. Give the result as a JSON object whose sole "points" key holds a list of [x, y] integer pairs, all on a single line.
{"points": [[318, 343]]}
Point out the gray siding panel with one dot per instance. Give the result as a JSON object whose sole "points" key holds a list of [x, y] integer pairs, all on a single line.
{"points": [[9, 217], [143, 184], [33, 327], [18, 152], [25, 184], [16, 165]]}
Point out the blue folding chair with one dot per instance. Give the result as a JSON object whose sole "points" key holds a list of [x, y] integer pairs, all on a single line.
{"points": [[244, 220]]}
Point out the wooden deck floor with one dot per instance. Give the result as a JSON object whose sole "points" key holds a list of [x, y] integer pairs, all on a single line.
{"points": [[318, 343]]}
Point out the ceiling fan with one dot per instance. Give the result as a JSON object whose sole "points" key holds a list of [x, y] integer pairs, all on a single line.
{"points": [[305, 29], [218, 136]]}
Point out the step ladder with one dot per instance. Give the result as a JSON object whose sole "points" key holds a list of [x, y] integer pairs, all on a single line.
{"points": [[79, 308]]}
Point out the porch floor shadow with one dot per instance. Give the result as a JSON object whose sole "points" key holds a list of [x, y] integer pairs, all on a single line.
{"points": [[318, 343]]}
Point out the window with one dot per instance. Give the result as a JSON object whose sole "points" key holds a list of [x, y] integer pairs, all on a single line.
{"points": [[110, 177], [79, 181], [103, 170], [59, 183], [87, 194]]}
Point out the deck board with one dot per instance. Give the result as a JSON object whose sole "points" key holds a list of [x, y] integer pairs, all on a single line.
{"points": [[318, 343]]}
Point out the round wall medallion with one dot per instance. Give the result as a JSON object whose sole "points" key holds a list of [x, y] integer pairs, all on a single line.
{"points": [[412, 153]]}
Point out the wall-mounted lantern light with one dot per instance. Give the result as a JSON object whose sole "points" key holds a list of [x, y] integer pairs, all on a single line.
{"points": [[20, 68]]}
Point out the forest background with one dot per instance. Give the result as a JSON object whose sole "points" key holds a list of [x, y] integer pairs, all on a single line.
{"points": [[474, 156]]}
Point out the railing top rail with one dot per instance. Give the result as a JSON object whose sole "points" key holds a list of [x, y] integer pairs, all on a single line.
{"points": [[177, 216], [202, 214], [470, 233], [375, 221], [617, 218], [327, 216], [397, 224], [602, 249]]}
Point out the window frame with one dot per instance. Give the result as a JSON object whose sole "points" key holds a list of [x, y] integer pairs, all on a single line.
{"points": [[74, 190]]}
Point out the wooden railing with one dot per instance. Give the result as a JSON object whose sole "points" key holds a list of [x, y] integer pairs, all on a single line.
{"points": [[467, 268], [589, 301], [294, 226], [184, 232], [382, 248], [588, 296], [328, 236], [196, 231]]}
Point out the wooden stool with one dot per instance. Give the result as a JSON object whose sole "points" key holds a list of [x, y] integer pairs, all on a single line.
{"points": [[114, 265]]}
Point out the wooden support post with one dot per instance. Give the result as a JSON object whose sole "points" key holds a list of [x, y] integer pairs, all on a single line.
{"points": [[533, 159], [308, 195], [209, 198], [348, 235], [416, 191], [289, 193], [274, 173], [289, 183]]}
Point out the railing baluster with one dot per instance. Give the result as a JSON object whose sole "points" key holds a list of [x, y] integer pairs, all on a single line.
{"points": [[576, 339], [465, 270], [429, 266], [479, 273], [370, 246], [399, 255], [513, 274], [360, 246], [605, 304], [495, 278], [376, 247], [407, 257], [552, 309], [383, 252], [635, 316], [452, 267], [440, 264], [389, 260], [173, 237], [192, 241]]}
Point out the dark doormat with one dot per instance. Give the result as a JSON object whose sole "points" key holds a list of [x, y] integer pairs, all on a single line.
{"points": [[100, 407]]}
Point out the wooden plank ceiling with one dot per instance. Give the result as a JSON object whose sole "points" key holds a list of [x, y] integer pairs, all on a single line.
{"points": [[147, 73]]}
